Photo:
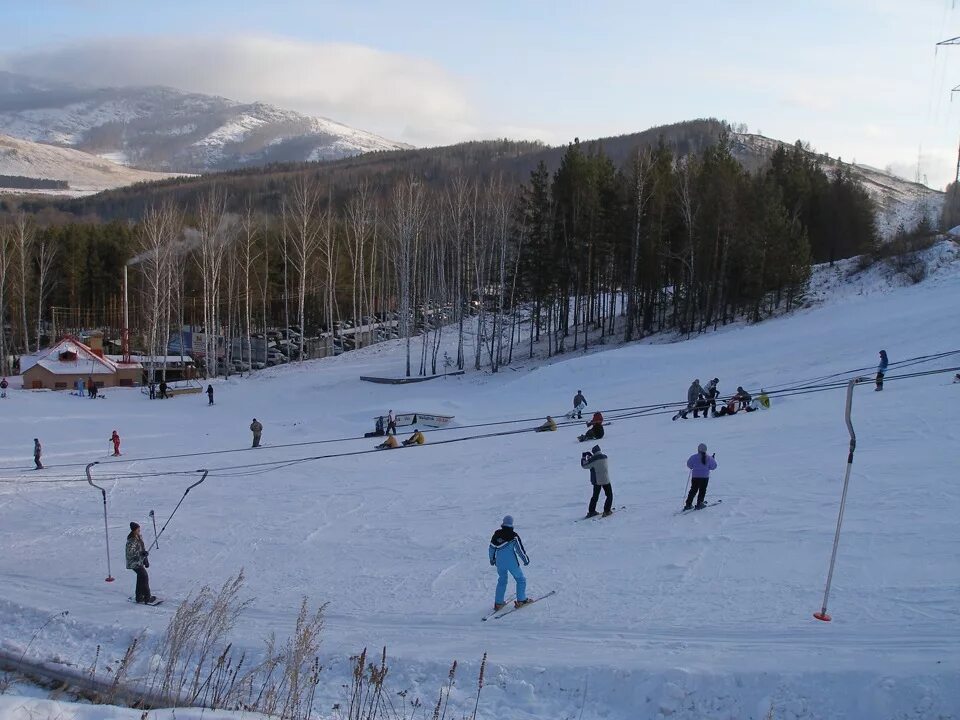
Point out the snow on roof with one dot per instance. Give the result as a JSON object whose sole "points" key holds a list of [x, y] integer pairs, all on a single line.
{"points": [[84, 360], [147, 358]]}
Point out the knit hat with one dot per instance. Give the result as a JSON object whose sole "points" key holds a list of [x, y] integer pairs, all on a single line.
{"points": [[134, 526], [596, 448], [701, 448], [507, 521]]}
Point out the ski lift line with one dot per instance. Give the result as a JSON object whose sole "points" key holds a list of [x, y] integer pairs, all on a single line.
{"points": [[637, 408]]}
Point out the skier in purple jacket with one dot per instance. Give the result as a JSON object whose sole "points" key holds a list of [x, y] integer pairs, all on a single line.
{"points": [[700, 466]]}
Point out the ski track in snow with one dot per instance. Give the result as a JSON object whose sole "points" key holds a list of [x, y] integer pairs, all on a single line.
{"points": [[656, 616]]}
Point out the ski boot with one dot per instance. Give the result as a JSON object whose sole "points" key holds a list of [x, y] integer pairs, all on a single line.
{"points": [[497, 607], [521, 603], [607, 513], [590, 515]]}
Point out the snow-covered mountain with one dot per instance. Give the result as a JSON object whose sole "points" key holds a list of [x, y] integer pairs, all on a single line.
{"points": [[85, 173], [160, 128]]}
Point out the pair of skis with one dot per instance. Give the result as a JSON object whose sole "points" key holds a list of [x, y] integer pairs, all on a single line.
{"points": [[600, 516], [684, 511], [497, 614]]}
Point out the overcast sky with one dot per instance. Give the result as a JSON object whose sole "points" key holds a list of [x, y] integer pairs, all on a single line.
{"points": [[856, 78]]}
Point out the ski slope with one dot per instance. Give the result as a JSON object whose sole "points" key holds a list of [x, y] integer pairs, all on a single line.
{"points": [[705, 615]]}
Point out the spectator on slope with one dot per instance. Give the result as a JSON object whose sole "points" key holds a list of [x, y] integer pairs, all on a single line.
{"points": [[163, 390], [416, 439], [711, 393], [700, 466], [579, 403], [209, 394], [256, 428], [594, 428], [548, 426], [881, 369], [36, 454], [115, 439], [506, 552], [596, 463], [391, 423], [389, 444], [137, 561], [694, 397]]}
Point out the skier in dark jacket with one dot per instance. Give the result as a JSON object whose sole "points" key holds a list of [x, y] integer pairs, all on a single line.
{"points": [[711, 393], [700, 466], [137, 561], [596, 463], [210, 394], [256, 428], [579, 403], [881, 369], [36, 453], [163, 390], [506, 552]]}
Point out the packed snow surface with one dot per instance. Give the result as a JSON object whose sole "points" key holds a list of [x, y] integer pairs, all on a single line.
{"points": [[704, 615]]}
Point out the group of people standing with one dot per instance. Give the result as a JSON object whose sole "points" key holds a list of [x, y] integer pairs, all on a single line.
{"points": [[88, 388], [704, 400]]}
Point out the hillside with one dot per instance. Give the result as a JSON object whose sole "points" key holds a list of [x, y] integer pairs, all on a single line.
{"points": [[160, 128], [704, 615], [85, 173]]}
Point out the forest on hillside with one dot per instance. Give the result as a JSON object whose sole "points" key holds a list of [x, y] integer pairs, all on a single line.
{"points": [[672, 237]]}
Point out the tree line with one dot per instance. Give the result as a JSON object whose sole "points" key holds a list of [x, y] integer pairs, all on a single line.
{"points": [[591, 252]]}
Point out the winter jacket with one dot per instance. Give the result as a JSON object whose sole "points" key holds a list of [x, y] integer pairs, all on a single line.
{"points": [[256, 427], [506, 548], [416, 438], [579, 400], [694, 393], [135, 552], [700, 468], [711, 390], [36, 448], [549, 426], [597, 419], [597, 465], [882, 367]]}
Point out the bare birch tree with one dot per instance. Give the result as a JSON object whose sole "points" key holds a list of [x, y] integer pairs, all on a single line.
{"points": [[303, 216]]}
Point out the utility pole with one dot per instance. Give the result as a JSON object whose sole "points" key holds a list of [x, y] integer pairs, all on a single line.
{"points": [[953, 41]]}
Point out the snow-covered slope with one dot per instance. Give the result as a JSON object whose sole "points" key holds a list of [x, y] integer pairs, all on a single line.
{"points": [[160, 128], [656, 615], [85, 173], [899, 202]]}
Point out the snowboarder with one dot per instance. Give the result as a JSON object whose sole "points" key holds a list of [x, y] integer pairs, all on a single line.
{"points": [[549, 426], [153, 391], [3, 387], [210, 394], [163, 390], [694, 396], [391, 423], [579, 403], [881, 369], [137, 561], [506, 552], [416, 439], [700, 466], [712, 392], [257, 429], [36, 454], [389, 444], [115, 439], [596, 463], [594, 428]]}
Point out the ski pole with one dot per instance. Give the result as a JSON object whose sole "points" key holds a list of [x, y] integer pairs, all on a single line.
{"points": [[687, 487], [106, 532], [154, 518], [185, 492]]}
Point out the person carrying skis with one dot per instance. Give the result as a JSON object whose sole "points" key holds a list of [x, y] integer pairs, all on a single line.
{"points": [[416, 439], [594, 428], [36, 454], [389, 444], [549, 426], [596, 463], [115, 439], [137, 561], [712, 392], [579, 403], [506, 552], [210, 394], [700, 466], [391, 423], [881, 369], [257, 429]]}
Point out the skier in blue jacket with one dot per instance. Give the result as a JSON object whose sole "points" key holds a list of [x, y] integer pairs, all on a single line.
{"points": [[881, 369], [506, 552], [700, 466]]}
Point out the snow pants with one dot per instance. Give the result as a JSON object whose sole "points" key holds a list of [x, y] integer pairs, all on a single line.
{"points": [[36, 459], [608, 498], [143, 585], [698, 487], [511, 565], [256, 439], [879, 381]]}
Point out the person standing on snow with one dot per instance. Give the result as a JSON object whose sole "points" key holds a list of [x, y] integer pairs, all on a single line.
{"points": [[210, 394], [257, 429], [137, 561], [3, 387], [91, 387], [596, 463], [115, 439], [506, 552], [36, 454], [712, 392], [579, 403], [391, 423], [700, 466], [881, 369], [163, 389], [694, 394]]}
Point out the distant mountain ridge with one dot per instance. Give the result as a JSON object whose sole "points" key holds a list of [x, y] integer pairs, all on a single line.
{"points": [[164, 129]]}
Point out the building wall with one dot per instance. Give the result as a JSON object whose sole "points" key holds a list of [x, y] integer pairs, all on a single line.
{"points": [[39, 377]]}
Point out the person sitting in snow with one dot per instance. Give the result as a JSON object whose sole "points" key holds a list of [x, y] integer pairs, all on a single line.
{"points": [[506, 552], [763, 400], [548, 426], [594, 428], [729, 409], [389, 444], [416, 439]]}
